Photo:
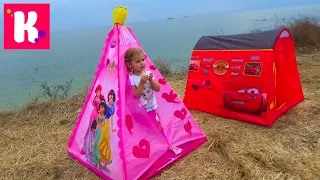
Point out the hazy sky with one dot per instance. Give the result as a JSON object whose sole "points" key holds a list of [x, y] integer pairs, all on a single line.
{"points": [[66, 14]]}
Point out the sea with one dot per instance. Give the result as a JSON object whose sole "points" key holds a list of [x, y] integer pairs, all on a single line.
{"points": [[75, 54]]}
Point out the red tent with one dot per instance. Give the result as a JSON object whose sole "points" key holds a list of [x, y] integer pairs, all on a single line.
{"points": [[248, 77]]}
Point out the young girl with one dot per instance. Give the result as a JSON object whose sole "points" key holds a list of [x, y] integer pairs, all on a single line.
{"points": [[110, 104], [104, 142], [100, 120], [143, 82], [95, 102]]}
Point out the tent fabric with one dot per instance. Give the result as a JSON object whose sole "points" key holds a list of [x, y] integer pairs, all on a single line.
{"points": [[129, 137], [246, 85], [259, 40]]}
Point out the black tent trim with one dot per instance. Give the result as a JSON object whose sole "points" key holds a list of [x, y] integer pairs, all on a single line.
{"points": [[249, 41]]}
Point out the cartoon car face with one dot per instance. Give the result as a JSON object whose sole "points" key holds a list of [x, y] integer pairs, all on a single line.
{"points": [[247, 100], [193, 67], [251, 70]]}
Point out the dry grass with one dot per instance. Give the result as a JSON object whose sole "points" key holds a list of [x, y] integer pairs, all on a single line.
{"points": [[305, 30], [33, 141]]}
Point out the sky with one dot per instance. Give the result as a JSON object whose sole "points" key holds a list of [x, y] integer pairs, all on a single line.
{"points": [[70, 14]]}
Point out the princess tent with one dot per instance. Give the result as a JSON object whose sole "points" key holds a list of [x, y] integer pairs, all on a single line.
{"points": [[114, 136]]}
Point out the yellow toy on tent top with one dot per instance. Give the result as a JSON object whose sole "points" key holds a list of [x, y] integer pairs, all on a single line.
{"points": [[119, 15]]}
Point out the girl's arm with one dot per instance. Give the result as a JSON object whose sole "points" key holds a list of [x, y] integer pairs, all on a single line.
{"points": [[111, 119], [103, 123], [138, 90], [155, 85], [111, 122], [93, 101], [98, 123], [112, 112]]}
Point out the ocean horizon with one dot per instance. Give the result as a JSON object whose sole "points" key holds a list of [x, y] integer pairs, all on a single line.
{"points": [[74, 54]]}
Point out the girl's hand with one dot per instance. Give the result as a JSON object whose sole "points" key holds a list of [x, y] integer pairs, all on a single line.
{"points": [[150, 76], [144, 79]]}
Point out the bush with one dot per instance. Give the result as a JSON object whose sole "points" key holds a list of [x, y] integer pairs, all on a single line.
{"points": [[164, 68], [305, 31], [55, 92], [168, 69]]}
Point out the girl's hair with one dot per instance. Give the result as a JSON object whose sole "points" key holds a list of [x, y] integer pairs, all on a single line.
{"points": [[98, 88], [129, 54]]}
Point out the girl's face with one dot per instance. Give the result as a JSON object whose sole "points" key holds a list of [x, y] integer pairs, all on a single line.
{"points": [[137, 63], [98, 92], [110, 99], [101, 109]]}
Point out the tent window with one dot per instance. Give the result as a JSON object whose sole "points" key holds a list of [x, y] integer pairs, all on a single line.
{"points": [[284, 34]]}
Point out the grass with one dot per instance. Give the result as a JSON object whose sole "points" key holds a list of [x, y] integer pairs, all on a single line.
{"points": [[33, 141]]}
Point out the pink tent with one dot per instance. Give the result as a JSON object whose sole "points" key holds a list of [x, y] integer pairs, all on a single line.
{"points": [[128, 144]]}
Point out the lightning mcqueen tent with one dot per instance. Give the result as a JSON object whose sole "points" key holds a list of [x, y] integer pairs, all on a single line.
{"points": [[248, 77]]}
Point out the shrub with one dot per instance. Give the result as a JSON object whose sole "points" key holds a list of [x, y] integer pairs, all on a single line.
{"points": [[55, 92], [175, 68], [305, 31], [164, 67]]}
